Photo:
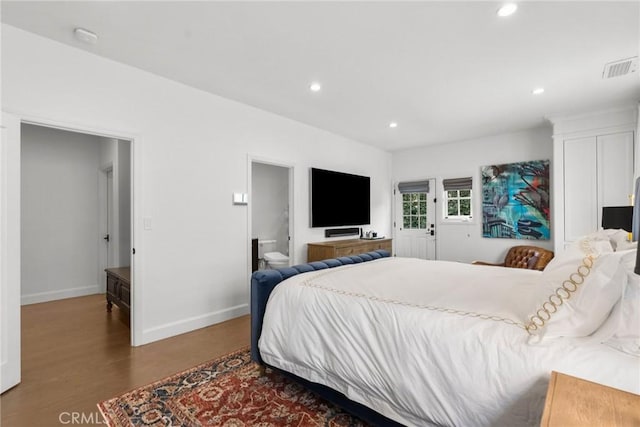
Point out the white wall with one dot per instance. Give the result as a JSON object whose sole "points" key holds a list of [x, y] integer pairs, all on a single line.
{"points": [[59, 204], [464, 242], [270, 204], [190, 154]]}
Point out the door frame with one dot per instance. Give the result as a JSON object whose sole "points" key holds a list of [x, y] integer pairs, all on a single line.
{"points": [[10, 215], [252, 158], [10, 327]]}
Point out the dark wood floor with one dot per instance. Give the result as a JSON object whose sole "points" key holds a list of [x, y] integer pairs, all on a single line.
{"points": [[75, 354]]}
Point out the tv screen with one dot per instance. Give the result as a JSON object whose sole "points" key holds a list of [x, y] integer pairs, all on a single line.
{"points": [[339, 199]]}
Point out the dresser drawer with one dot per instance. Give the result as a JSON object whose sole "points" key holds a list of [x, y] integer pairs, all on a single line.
{"points": [[351, 250], [125, 294], [112, 286], [339, 248], [119, 289], [380, 245]]}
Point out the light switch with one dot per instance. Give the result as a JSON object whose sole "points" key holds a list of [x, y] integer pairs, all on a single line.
{"points": [[240, 198], [146, 221]]}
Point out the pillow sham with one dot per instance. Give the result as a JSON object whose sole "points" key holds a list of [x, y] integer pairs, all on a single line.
{"points": [[625, 318], [618, 238], [579, 288]]}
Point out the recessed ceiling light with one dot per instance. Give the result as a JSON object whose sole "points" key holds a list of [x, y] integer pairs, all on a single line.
{"points": [[315, 87], [85, 35], [538, 91], [507, 9], [393, 125]]}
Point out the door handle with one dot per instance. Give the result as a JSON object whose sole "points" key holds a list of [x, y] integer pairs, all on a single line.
{"points": [[106, 237]]}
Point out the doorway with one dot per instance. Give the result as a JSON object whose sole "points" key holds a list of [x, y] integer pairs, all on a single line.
{"points": [[49, 206], [271, 216], [75, 212], [415, 219]]}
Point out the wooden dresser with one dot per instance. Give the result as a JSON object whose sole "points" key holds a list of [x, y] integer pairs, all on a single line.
{"points": [[119, 289], [337, 248], [576, 402]]}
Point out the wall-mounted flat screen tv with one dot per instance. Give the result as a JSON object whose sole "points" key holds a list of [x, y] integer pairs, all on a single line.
{"points": [[339, 199]]}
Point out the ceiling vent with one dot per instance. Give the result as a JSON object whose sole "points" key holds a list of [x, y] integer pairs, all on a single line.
{"points": [[620, 68]]}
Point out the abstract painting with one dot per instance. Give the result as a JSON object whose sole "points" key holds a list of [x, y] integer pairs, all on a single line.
{"points": [[515, 200]]}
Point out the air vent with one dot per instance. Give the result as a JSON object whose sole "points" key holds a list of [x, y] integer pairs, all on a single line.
{"points": [[620, 68]]}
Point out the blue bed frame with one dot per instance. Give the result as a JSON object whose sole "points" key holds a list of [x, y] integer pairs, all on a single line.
{"points": [[263, 282]]}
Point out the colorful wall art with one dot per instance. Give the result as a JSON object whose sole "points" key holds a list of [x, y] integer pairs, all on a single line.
{"points": [[515, 200]]}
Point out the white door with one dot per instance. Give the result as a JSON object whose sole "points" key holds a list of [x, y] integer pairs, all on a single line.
{"points": [[106, 232], [615, 171], [580, 188], [415, 221], [108, 235], [598, 172], [9, 252]]}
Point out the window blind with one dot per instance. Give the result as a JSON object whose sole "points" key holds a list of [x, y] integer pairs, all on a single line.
{"points": [[413, 187], [457, 184]]}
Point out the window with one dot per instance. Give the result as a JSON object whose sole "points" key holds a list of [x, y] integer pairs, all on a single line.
{"points": [[458, 203], [457, 198], [414, 210]]}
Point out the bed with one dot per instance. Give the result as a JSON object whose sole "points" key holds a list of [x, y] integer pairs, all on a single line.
{"points": [[412, 342]]}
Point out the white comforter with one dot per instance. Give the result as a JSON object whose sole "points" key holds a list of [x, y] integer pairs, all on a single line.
{"points": [[426, 342]]}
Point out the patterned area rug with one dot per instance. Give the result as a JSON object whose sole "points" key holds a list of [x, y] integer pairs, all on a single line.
{"points": [[230, 391]]}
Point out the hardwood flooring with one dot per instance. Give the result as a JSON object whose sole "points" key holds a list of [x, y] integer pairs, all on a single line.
{"points": [[75, 354]]}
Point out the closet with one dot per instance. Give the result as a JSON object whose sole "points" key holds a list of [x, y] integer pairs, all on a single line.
{"points": [[593, 166]]}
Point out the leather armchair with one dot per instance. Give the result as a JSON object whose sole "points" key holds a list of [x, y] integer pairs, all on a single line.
{"points": [[529, 257]]}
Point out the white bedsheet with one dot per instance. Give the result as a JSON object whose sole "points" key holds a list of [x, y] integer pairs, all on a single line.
{"points": [[377, 333]]}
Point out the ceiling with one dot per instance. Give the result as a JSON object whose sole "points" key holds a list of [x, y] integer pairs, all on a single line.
{"points": [[444, 71]]}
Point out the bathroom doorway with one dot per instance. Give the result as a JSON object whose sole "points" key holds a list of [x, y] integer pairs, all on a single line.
{"points": [[271, 202]]}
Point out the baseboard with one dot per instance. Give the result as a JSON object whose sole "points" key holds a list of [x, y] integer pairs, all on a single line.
{"points": [[192, 323], [59, 294]]}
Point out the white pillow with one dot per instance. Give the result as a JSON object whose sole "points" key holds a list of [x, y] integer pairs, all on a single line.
{"points": [[624, 322], [618, 238], [579, 287]]}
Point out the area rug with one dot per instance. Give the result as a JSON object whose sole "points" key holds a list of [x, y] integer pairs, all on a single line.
{"points": [[231, 391]]}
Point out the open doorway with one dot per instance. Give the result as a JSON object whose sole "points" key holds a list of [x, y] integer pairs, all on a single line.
{"points": [[48, 206], [75, 212], [271, 217]]}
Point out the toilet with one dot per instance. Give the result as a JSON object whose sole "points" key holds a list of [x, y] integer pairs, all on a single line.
{"points": [[272, 258]]}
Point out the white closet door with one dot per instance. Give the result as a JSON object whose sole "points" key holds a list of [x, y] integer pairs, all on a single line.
{"points": [[615, 170], [580, 188]]}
